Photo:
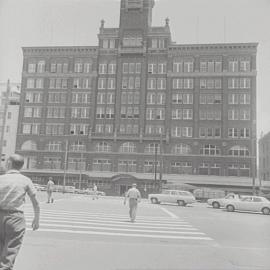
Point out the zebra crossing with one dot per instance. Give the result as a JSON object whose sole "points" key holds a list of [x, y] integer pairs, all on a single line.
{"points": [[101, 223]]}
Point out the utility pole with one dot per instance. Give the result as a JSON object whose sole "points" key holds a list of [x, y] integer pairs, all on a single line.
{"points": [[65, 166], [155, 166], [161, 161], [80, 179]]}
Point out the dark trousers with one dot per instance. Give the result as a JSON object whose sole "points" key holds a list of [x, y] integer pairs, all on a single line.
{"points": [[133, 203], [12, 228]]}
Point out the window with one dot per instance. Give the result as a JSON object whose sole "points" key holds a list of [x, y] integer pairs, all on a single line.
{"points": [[53, 146], [138, 68], [205, 132], [39, 83], [161, 83], [84, 98], [245, 66], [178, 67], [31, 68], [125, 67], [112, 68], [100, 113], [111, 83], [152, 148], [105, 44], [233, 66], [80, 112], [87, 67], [181, 149], [187, 114], [86, 83], [177, 83], [78, 68], [152, 68], [151, 83], [103, 147], [239, 151], [188, 83], [188, 66], [102, 68], [181, 131], [101, 83], [127, 165], [102, 165], [162, 68], [79, 129], [128, 147], [210, 150], [30, 83], [41, 67]]}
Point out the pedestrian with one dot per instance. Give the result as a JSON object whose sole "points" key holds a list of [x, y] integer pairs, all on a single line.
{"points": [[13, 188], [95, 194], [134, 196], [50, 185]]}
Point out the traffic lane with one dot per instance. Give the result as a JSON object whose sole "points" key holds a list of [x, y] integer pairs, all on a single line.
{"points": [[243, 238], [69, 254], [228, 227]]}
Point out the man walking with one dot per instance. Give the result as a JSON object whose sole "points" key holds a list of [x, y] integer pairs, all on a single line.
{"points": [[134, 196], [50, 185], [95, 192], [13, 188]]}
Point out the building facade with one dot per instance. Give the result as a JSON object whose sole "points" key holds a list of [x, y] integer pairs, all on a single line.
{"points": [[9, 111], [264, 162], [139, 104]]}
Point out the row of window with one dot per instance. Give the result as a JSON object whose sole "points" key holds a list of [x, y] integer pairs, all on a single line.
{"points": [[134, 112], [153, 68], [134, 98], [135, 83], [57, 97], [148, 166], [62, 83], [130, 147], [59, 67]]}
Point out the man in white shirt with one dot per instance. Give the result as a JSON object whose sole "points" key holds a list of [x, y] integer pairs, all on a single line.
{"points": [[50, 185], [13, 188], [134, 196]]}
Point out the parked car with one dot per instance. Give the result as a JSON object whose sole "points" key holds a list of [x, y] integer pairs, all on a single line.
{"points": [[249, 203], [40, 187], [220, 202], [91, 192], [180, 197]]}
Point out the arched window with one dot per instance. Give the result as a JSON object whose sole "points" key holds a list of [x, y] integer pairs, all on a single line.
{"points": [[238, 150], [210, 150], [181, 149], [29, 145], [152, 148], [128, 147], [103, 147]]}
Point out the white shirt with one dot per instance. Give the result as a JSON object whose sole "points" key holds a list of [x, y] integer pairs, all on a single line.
{"points": [[133, 193], [13, 189]]}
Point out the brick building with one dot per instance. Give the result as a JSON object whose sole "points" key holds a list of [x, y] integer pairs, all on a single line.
{"points": [[137, 102]]}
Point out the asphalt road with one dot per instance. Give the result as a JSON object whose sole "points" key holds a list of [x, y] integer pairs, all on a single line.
{"points": [[77, 232]]}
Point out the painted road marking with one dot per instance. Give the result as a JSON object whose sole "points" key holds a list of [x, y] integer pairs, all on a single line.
{"points": [[70, 226], [156, 236], [172, 215], [116, 225]]}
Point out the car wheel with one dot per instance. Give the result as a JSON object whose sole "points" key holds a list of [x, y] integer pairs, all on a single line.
{"points": [[154, 200], [216, 205], [266, 211], [181, 203], [230, 208]]}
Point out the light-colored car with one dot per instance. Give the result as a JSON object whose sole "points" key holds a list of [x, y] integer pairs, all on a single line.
{"points": [[180, 197], [40, 187], [249, 203], [220, 202]]}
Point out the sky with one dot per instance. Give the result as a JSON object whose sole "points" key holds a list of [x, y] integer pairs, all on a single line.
{"points": [[76, 23]]}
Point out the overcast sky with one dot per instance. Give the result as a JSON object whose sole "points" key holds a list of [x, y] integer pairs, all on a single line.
{"points": [[76, 22]]}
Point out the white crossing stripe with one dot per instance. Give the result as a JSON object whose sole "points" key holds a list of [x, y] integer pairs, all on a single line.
{"points": [[87, 223]]}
